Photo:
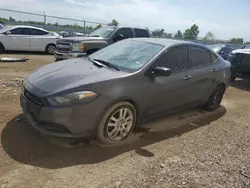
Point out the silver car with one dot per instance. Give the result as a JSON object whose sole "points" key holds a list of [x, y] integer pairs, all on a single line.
{"points": [[111, 91]]}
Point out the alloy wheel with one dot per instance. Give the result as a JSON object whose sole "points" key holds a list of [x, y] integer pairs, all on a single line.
{"points": [[119, 124]]}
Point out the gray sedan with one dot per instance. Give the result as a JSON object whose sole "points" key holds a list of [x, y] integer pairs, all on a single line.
{"points": [[107, 93]]}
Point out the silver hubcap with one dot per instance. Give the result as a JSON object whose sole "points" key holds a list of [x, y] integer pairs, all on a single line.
{"points": [[119, 124], [51, 49]]}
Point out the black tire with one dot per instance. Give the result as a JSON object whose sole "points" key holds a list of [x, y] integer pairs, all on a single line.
{"points": [[233, 78], [50, 49], [2, 49], [102, 130], [215, 98]]}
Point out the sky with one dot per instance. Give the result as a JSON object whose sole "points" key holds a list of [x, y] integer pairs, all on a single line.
{"points": [[224, 18]]}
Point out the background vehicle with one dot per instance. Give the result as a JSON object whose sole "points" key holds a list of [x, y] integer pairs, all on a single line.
{"points": [[247, 47], [100, 38], [77, 34], [64, 34], [123, 84], [221, 49], [240, 60], [27, 38]]}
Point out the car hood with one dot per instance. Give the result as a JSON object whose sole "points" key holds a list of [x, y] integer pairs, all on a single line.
{"points": [[64, 75], [241, 51], [74, 39]]}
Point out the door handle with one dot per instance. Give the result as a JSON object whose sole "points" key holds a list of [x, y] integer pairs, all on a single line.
{"points": [[215, 70], [186, 77]]}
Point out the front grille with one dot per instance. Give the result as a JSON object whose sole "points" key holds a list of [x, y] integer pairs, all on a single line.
{"points": [[32, 98], [63, 46]]}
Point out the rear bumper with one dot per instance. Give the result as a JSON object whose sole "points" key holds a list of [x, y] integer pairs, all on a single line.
{"points": [[68, 55]]}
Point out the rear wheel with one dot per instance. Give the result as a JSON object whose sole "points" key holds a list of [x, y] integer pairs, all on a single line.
{"points": [[215, 98], [50, 49], [117, 123], [1, 48], [233, 78]]}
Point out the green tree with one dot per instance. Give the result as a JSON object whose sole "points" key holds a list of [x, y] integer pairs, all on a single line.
{"points": [[158, 33], [209, 36], [192, 32], [12, 19], [97, 27], [237, 40], [168, 35], [114, 23], [178, 34]]}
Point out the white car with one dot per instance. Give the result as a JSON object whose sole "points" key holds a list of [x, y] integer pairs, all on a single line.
{"points": [[27, 38]]}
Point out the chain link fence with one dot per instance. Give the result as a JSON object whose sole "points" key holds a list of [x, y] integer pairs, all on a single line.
{"points": [[48, 22], [57, 24]]}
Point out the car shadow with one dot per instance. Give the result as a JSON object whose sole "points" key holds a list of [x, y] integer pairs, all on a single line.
{"points": [[23, 53], [23, 144], [241, 84]]}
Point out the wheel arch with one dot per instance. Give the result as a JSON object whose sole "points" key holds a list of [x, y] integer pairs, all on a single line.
{"points": [[124, 99], [1, 45]]}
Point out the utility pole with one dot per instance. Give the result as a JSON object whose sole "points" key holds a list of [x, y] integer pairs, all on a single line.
{"points": [[44, 19], [84, 25]]}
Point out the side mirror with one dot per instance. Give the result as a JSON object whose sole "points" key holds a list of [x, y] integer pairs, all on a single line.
{"points": [[7, 33], [162, 71], [118, 37]]}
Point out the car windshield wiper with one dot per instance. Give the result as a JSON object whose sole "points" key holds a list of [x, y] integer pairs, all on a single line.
{"points": [[107, 64]]}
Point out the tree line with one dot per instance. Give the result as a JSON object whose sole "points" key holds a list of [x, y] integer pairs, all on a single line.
{"points": [[189, 34], [192, 34]]}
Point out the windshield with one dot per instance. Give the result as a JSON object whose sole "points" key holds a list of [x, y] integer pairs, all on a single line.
{"points": [[247, 47], [103, 32], [215, 48], [128, 55]]}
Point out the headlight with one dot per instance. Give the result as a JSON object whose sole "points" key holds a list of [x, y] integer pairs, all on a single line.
{"points": [[77, 47], [73, 98]]}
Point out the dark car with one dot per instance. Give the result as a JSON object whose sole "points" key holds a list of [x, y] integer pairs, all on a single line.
{"points": [[221, 49], [112, 90], [240, 60]]}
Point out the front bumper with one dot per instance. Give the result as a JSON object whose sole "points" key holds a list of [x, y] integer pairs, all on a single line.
{"points": [[68, 122], [68, 55]]}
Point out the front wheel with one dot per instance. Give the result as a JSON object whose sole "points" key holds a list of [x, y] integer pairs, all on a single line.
{"points": [[50, 49], [117, 123], [215, 99]]}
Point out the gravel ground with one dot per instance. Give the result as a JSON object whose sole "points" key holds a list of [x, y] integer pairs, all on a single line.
{"points": [[193, 148]]}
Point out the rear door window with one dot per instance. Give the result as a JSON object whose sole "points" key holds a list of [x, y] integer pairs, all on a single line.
{"points": [[38, 32], [175, 59], [141, 33], [199, 56]]}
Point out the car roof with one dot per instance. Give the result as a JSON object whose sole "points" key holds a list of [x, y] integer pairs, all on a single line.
{"points": [[6, 28], [166, 42], [241, 51]]}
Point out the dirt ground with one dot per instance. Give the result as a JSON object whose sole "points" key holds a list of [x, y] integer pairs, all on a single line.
{"points": [[190, 149]]}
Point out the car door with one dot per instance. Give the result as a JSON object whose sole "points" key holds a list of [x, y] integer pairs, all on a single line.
{"points": [[39, 39], [125, 32], [17, 39], [169, 93], [242, 66], [205, 71]]}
